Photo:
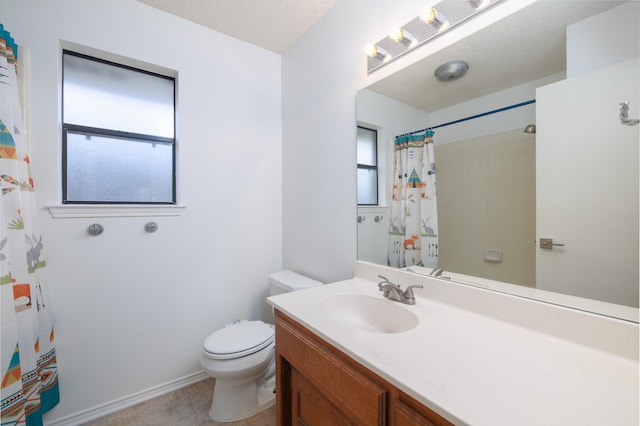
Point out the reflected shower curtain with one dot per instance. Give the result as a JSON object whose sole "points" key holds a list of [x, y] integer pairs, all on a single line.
{"points": [[413, 228], [29, 371]]}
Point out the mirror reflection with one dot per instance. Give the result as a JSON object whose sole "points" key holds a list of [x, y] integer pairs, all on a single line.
{"points": [[501, 191]]}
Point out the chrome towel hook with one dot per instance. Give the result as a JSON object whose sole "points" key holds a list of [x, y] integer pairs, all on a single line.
{"points": [[95, 229], [624, 115], [151, 227]]}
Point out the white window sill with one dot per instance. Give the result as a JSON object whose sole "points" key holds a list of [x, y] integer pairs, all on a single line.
{"points": [[120, 210]]}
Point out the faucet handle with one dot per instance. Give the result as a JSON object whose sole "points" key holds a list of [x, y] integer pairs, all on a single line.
{"points": [[409, 297], [386, 281]]}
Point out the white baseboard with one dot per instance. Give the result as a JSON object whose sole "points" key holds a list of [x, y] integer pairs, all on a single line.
{"points": [[127, 401]]}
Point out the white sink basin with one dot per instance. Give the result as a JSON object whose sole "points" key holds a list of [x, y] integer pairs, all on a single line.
{"points": [[368, 313]]}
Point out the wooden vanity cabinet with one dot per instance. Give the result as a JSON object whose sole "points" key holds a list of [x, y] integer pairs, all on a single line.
{"points": [[318, 385]]}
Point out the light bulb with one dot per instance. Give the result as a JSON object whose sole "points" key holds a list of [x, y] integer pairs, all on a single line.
{"points": [[434, 18], [370, 50], [375, 51], [402, 36], [396, 34]]}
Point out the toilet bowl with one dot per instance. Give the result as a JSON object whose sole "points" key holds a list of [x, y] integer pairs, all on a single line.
{"points": [[241, 357]]}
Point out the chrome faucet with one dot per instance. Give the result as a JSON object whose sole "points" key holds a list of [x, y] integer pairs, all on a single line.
{"points": [[437, 272], [390, 290], [394, 292], [409, 297]]}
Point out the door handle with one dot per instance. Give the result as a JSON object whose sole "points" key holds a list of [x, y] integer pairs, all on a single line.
{"points": [[547, 243]]}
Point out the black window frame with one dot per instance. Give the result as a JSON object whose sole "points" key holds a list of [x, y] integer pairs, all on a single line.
{"points": [[110, 133], [372, 167]]}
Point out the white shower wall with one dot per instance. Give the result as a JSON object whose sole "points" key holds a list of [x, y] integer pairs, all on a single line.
{"points": [[132, 309]]}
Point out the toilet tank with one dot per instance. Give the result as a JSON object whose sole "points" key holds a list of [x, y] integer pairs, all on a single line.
{"points": [[287, 281]]}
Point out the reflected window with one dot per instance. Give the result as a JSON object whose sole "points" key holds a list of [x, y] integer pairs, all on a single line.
{"points": [[367, 157], [118, 133]]}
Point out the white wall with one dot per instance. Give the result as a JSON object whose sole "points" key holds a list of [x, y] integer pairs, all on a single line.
{"points": [[589, 41], [131, 309], [516, 118], [373, 234], [390, 118]]}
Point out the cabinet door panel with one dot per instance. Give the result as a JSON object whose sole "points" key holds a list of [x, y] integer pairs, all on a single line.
{"points": [[311, 408], [319, 385], [405, 415], [344, 386]]}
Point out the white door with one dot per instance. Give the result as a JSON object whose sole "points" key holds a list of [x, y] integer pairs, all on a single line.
{"points": [[587, 185]]}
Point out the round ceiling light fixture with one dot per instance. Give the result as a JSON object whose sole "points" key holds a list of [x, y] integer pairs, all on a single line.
{"points": [[450, 71]]}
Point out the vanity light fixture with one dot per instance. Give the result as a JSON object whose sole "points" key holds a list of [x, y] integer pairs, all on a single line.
{"points": [[402, 36], [434, 21], [478, 4], [434, 18]]}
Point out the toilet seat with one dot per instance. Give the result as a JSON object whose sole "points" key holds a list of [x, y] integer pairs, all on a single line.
{"points": [[238, 340]]}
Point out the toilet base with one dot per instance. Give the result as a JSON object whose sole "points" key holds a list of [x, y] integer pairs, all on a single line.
{"points": [[238, 400]]}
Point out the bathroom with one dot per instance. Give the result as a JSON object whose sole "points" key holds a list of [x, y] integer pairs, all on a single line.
{"points": [[131, 309]]}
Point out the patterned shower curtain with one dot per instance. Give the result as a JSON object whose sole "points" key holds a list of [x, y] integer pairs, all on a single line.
{"points": [[413, 228], [29, 371]]}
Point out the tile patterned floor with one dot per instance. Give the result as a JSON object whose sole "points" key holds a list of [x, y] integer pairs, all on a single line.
{"points": [[185, 407]]}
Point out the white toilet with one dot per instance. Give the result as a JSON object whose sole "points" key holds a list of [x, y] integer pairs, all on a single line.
{"points": [[241, 357]]}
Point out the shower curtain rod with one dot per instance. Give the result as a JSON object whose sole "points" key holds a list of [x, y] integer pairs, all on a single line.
{"points": [[472, 117]]}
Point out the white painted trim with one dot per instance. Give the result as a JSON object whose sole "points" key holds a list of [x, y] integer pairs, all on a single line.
{"points": [[373, 209], [101, 210], [128, 401]]}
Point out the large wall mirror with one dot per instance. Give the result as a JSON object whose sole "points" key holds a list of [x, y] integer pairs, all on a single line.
{"points": [[563, 66]]}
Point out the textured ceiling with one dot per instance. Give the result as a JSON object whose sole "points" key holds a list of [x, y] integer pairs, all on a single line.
{"points": [[271, 24], [525, 46]]}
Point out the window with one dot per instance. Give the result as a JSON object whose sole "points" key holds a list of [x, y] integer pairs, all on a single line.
{"points": [[118, 136], [367, 166]]}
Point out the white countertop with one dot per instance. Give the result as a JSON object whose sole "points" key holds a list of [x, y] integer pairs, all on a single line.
{"points": [[480, 369]]}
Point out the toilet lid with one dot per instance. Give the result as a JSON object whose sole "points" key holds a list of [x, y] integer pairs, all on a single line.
{"points": [[243, 338]]}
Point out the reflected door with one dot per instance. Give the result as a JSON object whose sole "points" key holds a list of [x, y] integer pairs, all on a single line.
{"points": [[587, 185]]}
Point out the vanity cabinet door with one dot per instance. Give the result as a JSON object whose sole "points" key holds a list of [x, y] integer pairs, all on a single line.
{"points": [[310, 407], [318, 385], [404, 415], [310, 369]]}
